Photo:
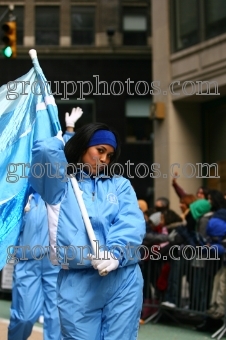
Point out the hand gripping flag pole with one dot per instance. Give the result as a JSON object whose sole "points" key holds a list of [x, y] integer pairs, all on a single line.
{"points": [[77, 191]]}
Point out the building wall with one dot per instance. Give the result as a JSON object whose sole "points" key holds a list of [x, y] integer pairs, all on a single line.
{"points": [[181, 136]]}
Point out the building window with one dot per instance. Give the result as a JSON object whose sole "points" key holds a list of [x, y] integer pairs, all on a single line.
{"points": [[195, 21], [19, 13], [139, 125], [47, 25], [134, 29], [215, 14], [88, 107], [186, 23], [82, 25]]}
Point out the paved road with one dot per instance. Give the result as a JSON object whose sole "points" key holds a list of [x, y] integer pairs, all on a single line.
{"points": [[150, 331], [36, 334], [147, 332]]}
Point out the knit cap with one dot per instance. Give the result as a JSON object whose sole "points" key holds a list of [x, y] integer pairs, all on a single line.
{"points": [[200, 208], [155, 218]]}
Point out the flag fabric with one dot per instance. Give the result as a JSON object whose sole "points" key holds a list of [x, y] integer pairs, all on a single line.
{"points": [[27, 112]]}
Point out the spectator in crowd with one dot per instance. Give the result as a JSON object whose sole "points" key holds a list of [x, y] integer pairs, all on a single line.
{"points": [[202, 192], [216, 236], [161, 204], [158, 239], [188, 232]]}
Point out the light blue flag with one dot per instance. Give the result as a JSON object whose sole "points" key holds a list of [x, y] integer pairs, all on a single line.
{"points": [[27, 112]]}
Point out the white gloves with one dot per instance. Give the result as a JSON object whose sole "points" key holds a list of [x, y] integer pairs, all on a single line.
{"points": [[106, 262], [76, 113]]}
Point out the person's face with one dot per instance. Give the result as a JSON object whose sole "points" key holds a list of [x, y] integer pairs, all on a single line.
{"points": [[96, 157], [159, 206], [200, 193]]}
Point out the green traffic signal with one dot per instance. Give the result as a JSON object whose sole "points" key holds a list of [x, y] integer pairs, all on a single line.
{"points": [[9, 39], [7, 52]]}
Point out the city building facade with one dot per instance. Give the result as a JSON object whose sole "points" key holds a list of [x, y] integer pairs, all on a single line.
{"points": [[97, 55], [189, 64]]}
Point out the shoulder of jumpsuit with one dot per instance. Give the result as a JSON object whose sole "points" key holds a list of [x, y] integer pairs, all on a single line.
{"points": [[127, 197], [49, 151], [122, 184], [47, 146], [130, 218], [67, 135]]}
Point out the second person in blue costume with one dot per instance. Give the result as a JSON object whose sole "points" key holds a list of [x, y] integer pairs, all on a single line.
{"points": [[34, 279]]}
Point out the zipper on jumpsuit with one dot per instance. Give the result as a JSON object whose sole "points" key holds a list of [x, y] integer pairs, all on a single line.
{"points": [[93, 188]]}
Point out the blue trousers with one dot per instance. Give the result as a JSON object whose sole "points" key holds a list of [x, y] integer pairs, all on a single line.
{"points": [[100, 307], [34, 290]]}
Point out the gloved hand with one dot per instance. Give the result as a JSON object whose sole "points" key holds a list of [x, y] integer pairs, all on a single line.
{"points": [[172, 236], [76, 113], [106, 262]]}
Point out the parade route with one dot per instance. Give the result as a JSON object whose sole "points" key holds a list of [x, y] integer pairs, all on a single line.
{"points": [[146, 332]]}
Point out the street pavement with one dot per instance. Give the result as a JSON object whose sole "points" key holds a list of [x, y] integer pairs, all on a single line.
{"points": [[36, 333], [149, 331]]}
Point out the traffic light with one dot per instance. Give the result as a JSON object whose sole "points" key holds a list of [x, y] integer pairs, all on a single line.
{"points": [[9, 39]]}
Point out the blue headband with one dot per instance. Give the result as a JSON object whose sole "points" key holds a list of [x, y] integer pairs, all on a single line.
{"points": [[103, 137]]}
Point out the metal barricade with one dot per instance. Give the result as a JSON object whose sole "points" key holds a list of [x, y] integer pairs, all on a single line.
{"points": [[6, 278], [180, 284]]}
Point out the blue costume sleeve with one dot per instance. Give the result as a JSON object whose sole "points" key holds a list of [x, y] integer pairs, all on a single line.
{"points": [[48, 172], [67, 136], [129, 227]]}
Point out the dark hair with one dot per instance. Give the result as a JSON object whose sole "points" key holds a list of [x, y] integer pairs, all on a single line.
{"points": [[217, 200], [77, 145], [165, 202]]}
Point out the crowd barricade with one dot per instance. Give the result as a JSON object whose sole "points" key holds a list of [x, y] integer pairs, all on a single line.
{"points": [[181, 286]]}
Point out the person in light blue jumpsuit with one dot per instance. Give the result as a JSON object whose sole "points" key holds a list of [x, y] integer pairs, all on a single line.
{"points": [[92, 306], [35, 277]]}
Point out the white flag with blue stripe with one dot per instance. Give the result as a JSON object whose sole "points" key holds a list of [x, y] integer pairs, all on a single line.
{"points": [[27, 112]]}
